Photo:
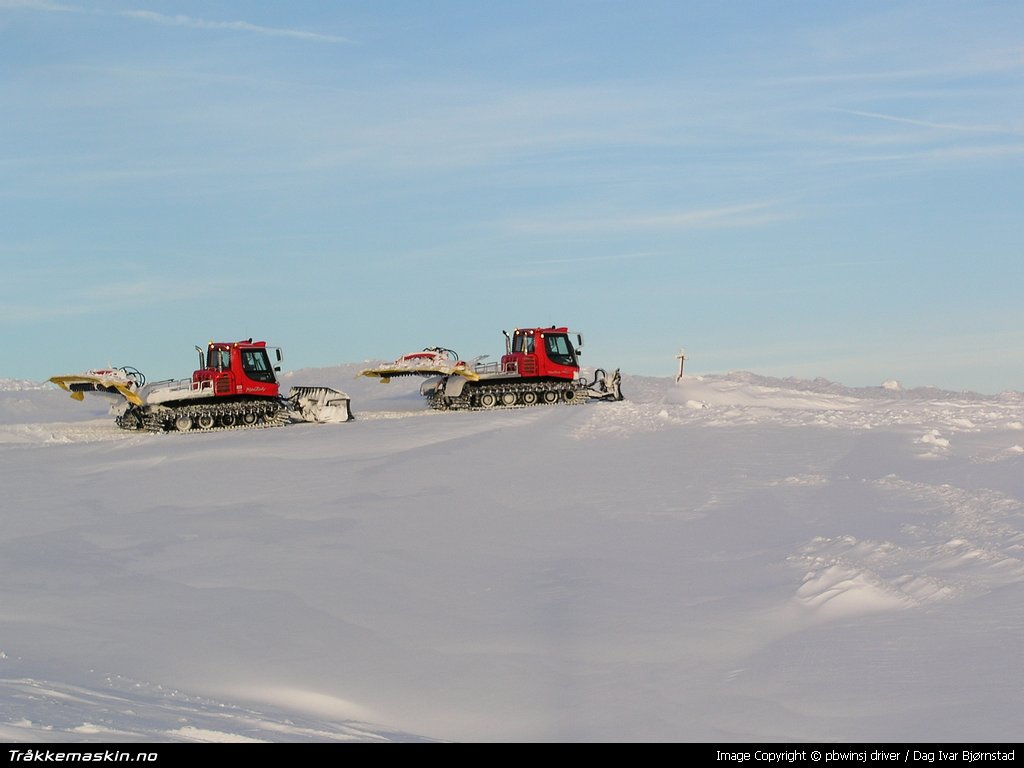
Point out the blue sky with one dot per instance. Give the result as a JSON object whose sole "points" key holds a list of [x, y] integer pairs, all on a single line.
{"points": [[793, 188]]}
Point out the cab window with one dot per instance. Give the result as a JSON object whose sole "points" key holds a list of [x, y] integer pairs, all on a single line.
{"points": [[256, 364], [219, 359], [523, 342], [559, 349]]}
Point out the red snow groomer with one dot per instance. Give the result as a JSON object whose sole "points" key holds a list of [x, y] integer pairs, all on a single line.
{"points": [[540, 367]]}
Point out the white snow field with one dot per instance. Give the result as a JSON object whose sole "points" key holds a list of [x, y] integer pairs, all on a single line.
{"points": [[727, 559]]}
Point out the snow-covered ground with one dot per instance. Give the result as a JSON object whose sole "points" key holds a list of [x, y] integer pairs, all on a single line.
{"points": [[730, 558]]}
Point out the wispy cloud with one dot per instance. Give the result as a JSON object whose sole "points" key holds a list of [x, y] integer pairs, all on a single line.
{"points": [[176, 20], [591, 259], [975, 63], [932, 156], [727, 217], [119, 296], [179, 20], [926, 123], [39, 5]]}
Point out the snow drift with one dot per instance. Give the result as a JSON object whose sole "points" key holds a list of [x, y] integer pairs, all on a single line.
{"points": [[730, 558]]}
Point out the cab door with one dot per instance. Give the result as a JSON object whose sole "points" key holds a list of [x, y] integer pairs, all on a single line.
{"points": [[559, 359]]}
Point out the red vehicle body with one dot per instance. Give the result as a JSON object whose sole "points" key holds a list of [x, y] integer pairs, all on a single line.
{"points": [[542, 353], [238, 368]]}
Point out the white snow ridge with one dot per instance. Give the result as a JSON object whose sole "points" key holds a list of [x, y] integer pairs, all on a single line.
{"points": [[729, 558]]}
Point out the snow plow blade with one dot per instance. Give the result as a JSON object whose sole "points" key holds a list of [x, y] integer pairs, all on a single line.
{"points": [[605, 387], [432, 361], [322, 405], [104, 381]]}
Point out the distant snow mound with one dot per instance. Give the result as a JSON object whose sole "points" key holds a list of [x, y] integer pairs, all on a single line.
{"points": [[29, 402], [821, 386], [750, 390], [20, 385]]}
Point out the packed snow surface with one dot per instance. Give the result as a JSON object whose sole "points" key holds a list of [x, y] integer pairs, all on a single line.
{"points": [[726, 558]]}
